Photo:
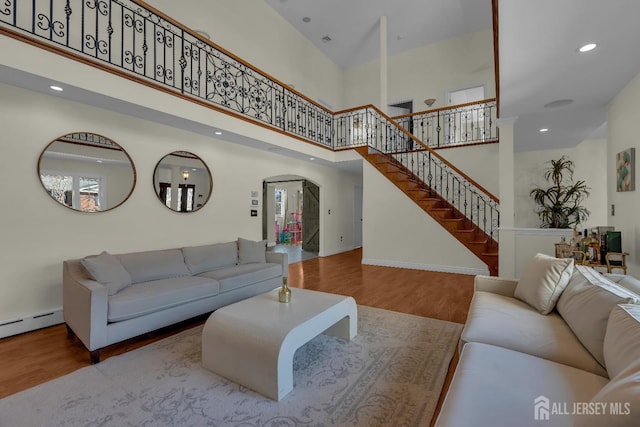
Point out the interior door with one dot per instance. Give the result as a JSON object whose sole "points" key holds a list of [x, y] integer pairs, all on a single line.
{"points": [[310, 217]]}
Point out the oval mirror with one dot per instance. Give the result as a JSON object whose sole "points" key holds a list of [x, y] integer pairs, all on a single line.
{"points": [[182, 181], [86, 172]]}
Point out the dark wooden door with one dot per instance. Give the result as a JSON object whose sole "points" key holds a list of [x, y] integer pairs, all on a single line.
{"points": [[310, 217]]}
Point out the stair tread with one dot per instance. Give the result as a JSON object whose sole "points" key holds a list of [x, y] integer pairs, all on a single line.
{"points": [[478, 242]]}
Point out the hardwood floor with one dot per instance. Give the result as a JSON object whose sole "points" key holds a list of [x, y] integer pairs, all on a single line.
{"points": [[36, 357]]}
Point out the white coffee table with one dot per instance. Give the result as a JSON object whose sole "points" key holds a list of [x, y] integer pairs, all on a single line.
{"points": [[252, 342]]}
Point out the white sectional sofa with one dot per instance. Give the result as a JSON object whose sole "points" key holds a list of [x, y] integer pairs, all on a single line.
{"points": [[560, 347], [110, 298]]}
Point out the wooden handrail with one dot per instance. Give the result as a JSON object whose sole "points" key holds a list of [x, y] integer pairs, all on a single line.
{"points": [[434, 153], [226, 52], [450, 107]]}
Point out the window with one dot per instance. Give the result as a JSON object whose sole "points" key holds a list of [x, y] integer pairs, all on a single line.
{"points": [[81, 192], [281, 201]]}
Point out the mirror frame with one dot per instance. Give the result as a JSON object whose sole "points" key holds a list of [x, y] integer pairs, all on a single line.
{"points": [[188, 155], [96, 139]]}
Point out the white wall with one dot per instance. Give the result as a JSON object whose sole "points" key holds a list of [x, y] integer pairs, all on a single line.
{"points": [[426, 72], [252, 30], [479, 162], [397, 232], [588, 158], [38, 233], [622, 128]]}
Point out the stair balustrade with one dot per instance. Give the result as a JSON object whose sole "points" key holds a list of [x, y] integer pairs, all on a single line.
{"points": [[463, 124], [368, 126], [131, 39]]}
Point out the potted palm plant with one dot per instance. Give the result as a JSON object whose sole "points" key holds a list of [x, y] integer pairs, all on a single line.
{"points": [[560, 205]]}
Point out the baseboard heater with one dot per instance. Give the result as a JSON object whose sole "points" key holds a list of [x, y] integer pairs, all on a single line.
{"points": [[19, 325]]}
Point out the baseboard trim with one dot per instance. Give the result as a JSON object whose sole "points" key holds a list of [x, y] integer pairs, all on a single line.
{"points": [[31, 322], [427, 267], [336, 251]]}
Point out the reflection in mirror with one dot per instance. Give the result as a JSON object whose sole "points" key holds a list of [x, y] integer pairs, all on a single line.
{"points": [[182, 181], [86, 172]]}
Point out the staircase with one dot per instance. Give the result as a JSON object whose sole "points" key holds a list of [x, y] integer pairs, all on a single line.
{"points": [[460, 227]]}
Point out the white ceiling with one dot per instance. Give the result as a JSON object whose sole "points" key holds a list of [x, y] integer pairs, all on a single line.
{"points": [[353, 25], [538, 59]]}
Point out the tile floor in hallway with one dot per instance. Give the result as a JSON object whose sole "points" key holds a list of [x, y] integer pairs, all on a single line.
{"points": [[296, 254]]}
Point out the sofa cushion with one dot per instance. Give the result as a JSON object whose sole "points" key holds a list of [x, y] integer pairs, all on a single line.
{"points": [[510, 323], [210, 257], [621, 400], [154, 265], [250, 251], [151, 296], [543, 280], [626, 281], [622, 339], [494, 386], [586, 304], [108, 271], [239, 276]]}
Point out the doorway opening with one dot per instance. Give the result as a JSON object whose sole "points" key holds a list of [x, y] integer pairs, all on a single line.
{"points": [[291, 217]]}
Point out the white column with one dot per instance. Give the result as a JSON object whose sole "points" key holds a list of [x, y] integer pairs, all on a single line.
{"points": [[506, 194], [383, 64]]}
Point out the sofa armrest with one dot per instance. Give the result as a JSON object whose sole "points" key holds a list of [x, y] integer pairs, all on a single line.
{"points": [[497, 285], [85, 305], [279, 258]]}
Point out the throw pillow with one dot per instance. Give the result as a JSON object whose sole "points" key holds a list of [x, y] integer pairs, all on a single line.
{"points": [[626, 281], [251, 252], [543, 280], [620, 400], [153, 265], [210, 257], [107, 270], [622, 339], [586, 304]]}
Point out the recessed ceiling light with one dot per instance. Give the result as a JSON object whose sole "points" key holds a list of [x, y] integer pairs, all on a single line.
{"points": [[56, 88], [99, 161], [587, 47], [306, 19], [312, 158], [544, 130], [218, 132]]}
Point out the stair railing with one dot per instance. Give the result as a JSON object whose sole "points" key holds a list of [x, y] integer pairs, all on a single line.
{"points": [[462, 124], [132, 39], [371, 127]]}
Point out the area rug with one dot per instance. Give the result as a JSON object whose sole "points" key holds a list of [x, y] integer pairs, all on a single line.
{"points": [[391, 374]]}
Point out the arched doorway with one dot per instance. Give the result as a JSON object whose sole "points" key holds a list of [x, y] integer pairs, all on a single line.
{"points": [[291, 216]]}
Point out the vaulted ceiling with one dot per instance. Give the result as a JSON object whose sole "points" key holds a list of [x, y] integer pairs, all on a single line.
{"points": [[538, 58]]}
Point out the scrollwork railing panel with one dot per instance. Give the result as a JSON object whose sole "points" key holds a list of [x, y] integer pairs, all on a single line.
{"points": [[133, 39]]}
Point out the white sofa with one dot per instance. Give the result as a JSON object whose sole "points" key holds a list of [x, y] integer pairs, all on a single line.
{"points": [[110, 298], [578, 365]]}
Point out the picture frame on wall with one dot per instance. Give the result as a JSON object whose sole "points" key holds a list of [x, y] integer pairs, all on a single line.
{"points": [[625, 170]]}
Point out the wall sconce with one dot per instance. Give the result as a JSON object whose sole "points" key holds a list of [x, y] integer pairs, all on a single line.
{"points": [[429, 101], [185, 175]]}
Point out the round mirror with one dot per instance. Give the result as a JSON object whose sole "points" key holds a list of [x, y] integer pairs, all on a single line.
{"points": [[182, 181], [86, 172]]}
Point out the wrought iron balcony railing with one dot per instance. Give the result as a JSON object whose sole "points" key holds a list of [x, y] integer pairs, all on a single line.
{"points": [[130, 38], [133, 38], [457, 125], [368, 126]]}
